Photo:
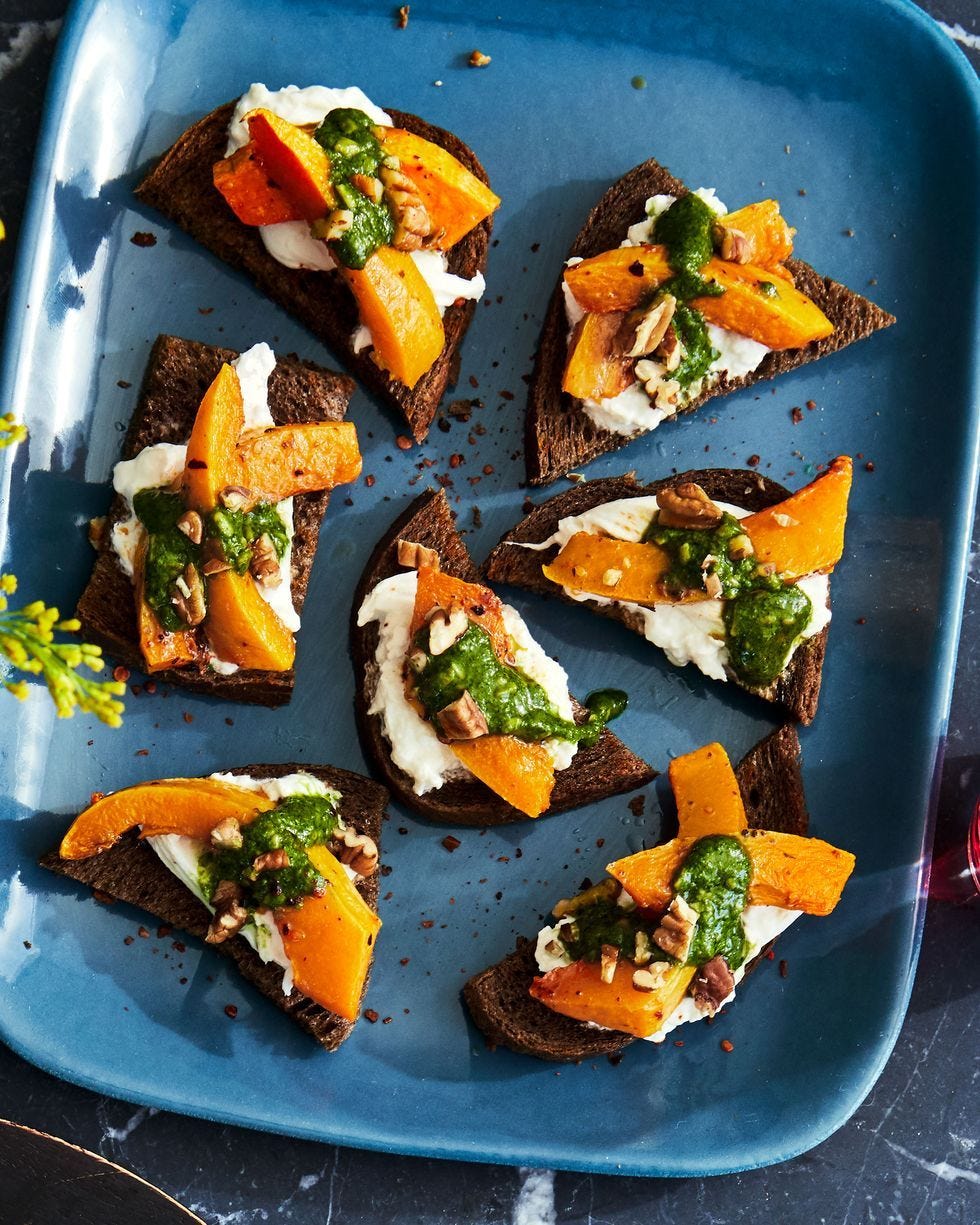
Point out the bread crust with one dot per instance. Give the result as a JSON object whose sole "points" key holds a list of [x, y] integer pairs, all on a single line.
{"points": [[498, 998], [796, 689], [180, 186], [177, 375], [607, 768], [558, 435], [131, 872]]}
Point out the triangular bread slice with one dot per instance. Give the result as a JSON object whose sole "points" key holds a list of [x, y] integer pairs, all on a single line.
{"points": [[497, 998], [180, 186], [178, 374], [559, 437], [131, 872], [607, 768], [796, 689]]}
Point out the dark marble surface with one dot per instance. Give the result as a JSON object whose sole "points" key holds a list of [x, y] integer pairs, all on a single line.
{"points": [[909, 1154]]}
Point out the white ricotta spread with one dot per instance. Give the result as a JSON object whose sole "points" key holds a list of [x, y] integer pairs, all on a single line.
{"points": [[686, 633], [632, 411], [182, 856], [290, 242], [163, 462], [415, 748]]}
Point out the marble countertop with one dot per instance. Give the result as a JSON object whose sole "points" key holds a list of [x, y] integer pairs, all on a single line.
{"points": [[909, 1154]]}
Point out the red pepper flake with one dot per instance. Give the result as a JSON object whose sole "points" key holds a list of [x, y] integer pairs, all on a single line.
{"points": [[143, 238], [182, 981], [861, 621], [503, 859], [188, 717], [637, 805], [231, 1011], [770, 954], [753, 461], [123, 384], [727, 1046], [127, 940], [600, 843], [120, 674], [507, 395], [230, 722], [403, 442], [811, 404], [96, 796], [678, 1044], [150, 687], [427, 923], [401, 16], [386, 1020], [474, 382], [796, 414], [136, 690], [488, 469], [783, 969], [370, 1015], [142, 752], [869, 466], [369, 481], [455, 460], [403, 961], [143, 933], [179, 947], [451, 843], [205, 310]]}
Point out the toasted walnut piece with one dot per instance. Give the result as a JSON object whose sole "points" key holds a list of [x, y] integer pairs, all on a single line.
{"points": [[462, 719], [189, 601], [264, 566], [216, 565], [478, 59], [650, 325], [606, 890], [652, 978], [712, 583], [358, 852], [230, 915], [712, 985], [271, 861], [96, 531], [227, 835], [733, 245], [676, 930], [412, 224], [413, 556], [446, 628], [608, 960], [368, 186], [237, 497], [740, 547], [670, 350], [687, 506], [785, 520], [667, 395], [192, 525]]}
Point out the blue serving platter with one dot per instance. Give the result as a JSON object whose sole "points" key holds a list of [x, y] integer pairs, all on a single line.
{"points": [[796, 101]]}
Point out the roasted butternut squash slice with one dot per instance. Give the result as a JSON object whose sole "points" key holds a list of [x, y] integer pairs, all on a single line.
{"points": [[519, 772], [242, 628], [213, 462], [766, 228], [285, 460], [787, 870], [249, 191], [188, 806], [396, 304], [294, 162], [707, 794], [455, 199], [329, 940], [577, 991], [596, 368], [436, 589], [805, 533], [160, 648], [615, 569]]}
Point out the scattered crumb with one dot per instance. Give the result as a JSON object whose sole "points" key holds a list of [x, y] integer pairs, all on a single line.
{"points": [[188, 717], [127, 940], [143, 933], [478, 59], [123, 384], [142, 752], [811, 404], [848, 233], [477, 517], [120, 673], [869, 466], [403, 961], [861, 621], [231, 1011], [796, 415], [369, 481], [637, 804], [753, 461], [451, 843], [370, 1015], [783, 969], [27, 944], [205, 310], [143, 238], [401, 16], [727, 1046], [403, 442]]}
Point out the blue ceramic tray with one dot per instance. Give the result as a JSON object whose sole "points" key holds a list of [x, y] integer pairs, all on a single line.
{"points": [[890, 180]]}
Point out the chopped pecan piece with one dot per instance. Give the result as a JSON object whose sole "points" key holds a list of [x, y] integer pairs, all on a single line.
{"points": [[608, 960], [192, 525], [740, 547], [230, 915], [652, 978], [733, 245], [688, 506], [227, 835], [189, 600], [413, 556], [271, 861], [413, 228], [712, 985], [237, 497], [462, 719], [369, 186], [264, 566], [358, 852], [676, 930]]}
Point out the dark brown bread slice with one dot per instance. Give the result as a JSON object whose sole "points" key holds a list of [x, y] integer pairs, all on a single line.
{"points": [[558, 434], [177, 375], [131, 872], [607, 768], [498, 1000], [796, 689], [180, 186]]}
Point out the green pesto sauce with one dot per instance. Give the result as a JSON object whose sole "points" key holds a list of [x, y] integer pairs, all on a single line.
{"points": [[714, 879], [348, 137], [685, 230], [297, 822], [237, 530], [512, 703], [763, 616], [604, 922], [698, 351], [168, 552]]}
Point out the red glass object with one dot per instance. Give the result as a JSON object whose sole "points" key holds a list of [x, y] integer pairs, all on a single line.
{"points": [[955, 873]]}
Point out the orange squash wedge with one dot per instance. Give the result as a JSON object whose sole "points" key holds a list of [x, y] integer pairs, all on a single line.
{"points": [[615, 569], [577, 991], [523, 774], [764, 225], [160, 648], [436, 589], [594, 370], [805, 533], [285, 460], [707, 794], [396, 304], [294, 162], [249, 192], [242, 628], [188, 806], [455, 199], [329, 940], [213, 462]]}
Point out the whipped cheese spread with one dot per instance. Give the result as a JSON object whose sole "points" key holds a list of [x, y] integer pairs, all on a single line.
{"points": [[163, 462], [414, 746], [290, 242], [686, 633], [182, 856], [632, 411]]}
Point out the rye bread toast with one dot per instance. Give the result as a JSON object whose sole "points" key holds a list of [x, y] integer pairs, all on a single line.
{"points": [[559, 436], [180, 186], [131, 872], [178, 374], [497, 998], [607, 768], [796, 689]]}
